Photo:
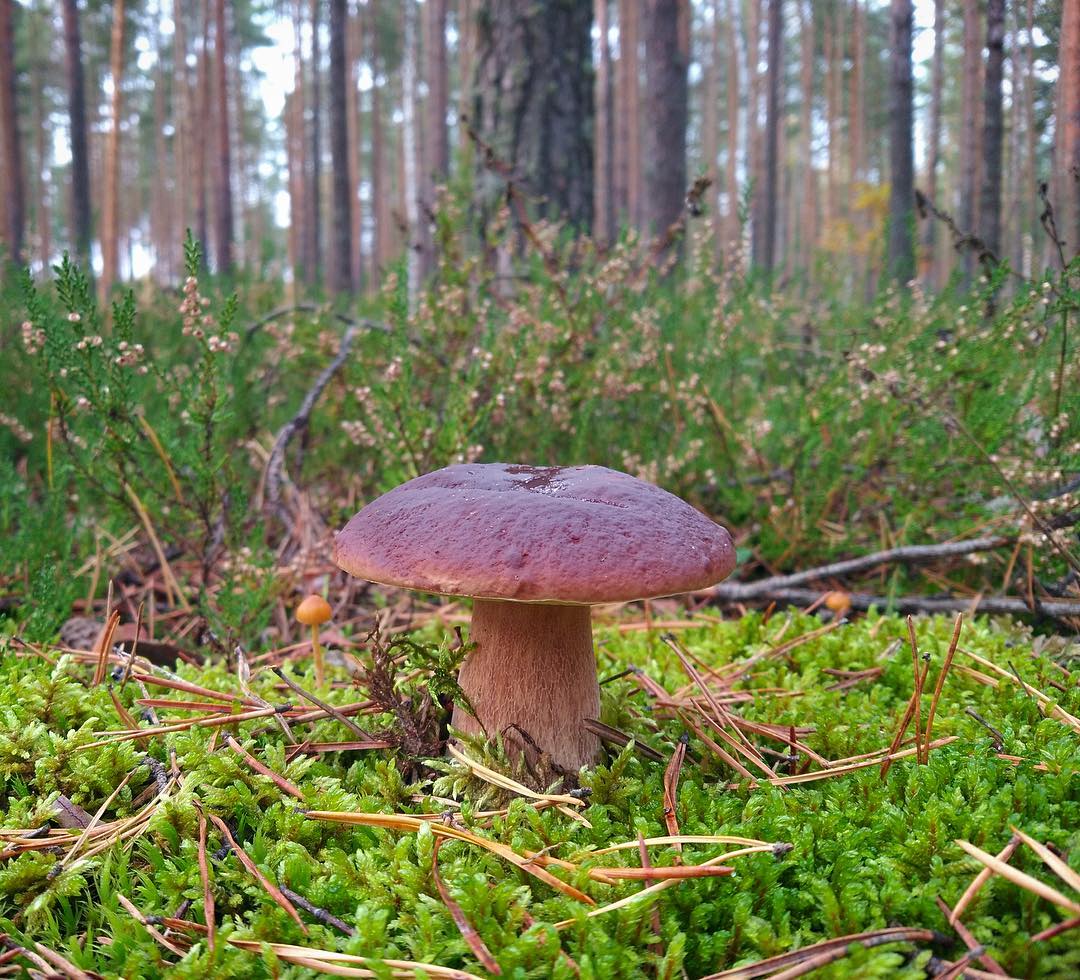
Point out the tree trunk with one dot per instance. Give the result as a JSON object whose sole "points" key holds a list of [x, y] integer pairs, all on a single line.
{"points": [[110, 238], [380, 183], [765, 232], [436, 144], [603, 218], [80, 156], [901, 259], [534, 103], [340, 265], [732, 223], [410, 152], [354, 40], [1067, 144], [933, 149], [627, 104], [754, 133], [710, 124], [856, 109], [223, 211], [808, 211], [314, 209], [202, 151], [970, 129], [14, 188], [989, 226], [665, 115], [181, 111]]}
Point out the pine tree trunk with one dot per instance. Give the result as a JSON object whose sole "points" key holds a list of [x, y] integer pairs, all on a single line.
{"points": [[294, 123], [732, 224], [410, 152], [603, 217], [535, 103], [933, 149], [163, 197], [438, 97], [181, 111], [42, 218], [665, 115], [223, 211], [856, 109], [314, 207], [340, 264], [14, 188], [354, 40], [765, 232], [634, 112], [1067, 144], [110, 238], [710, 125], [901, 257], [970, 98], [81, 230], [202, 144], [989, 226], [808, 219], [754, 132], [380, 182]]}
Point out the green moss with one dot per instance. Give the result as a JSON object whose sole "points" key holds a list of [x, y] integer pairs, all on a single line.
{"points": [[867, 853]]}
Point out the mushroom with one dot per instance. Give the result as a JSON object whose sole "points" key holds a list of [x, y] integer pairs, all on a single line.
{"points": [[313, 612], [534, 547]]}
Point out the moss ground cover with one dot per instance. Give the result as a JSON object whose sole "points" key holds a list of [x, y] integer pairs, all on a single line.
{"points": [[865, 853]]}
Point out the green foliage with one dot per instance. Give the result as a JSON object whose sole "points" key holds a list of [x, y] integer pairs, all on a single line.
{"points": [[866, 853]]}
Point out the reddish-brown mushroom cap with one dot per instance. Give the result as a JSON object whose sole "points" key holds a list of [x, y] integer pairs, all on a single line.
{"points": [[573, 535]]}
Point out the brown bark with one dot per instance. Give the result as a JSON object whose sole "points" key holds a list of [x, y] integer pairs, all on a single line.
{"points": [[161, 203], [933, 149], [410, 153], [223, 212], [110, 237], [808, 210], [340, 265], [630, 15], [665, 115], [732, 226], [380, 179], [532, 669], [80, 156], [710, 123], [294, 127], [1067, 144], [901, 257], [856, 110], [181, 112], [42, 130], [314, 208], [765, 231], [603, 217], [989, 224], [970, 128], [354, 41], [535, 103], [202, 144], [14, 188], [436, 144], [754, 129]]}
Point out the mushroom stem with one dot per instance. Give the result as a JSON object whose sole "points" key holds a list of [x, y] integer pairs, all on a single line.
{"points": [[532, 666], [316, 649]]}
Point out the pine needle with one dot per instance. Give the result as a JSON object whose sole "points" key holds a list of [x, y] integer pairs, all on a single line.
{"points": [[465, 927], [1025, 881]]}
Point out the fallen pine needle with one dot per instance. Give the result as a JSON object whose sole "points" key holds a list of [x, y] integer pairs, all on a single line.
{"points": [[465, 927], [253, 870], [1051, 860], [278, 780], [1025, 881], [320, 958]]}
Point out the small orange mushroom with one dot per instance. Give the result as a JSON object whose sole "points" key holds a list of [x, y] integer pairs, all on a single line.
{"points": [[314, 611]]}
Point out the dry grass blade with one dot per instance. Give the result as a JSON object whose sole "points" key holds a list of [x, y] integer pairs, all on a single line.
{"points": [[130, 908], [278, 780], [970, 941], [1025, 881], [682, 839], [671, 788], [272, 890], [95, 820], [1051, 860], [652, 890], [409, 823], [325, 957], [653, 873], [809, 777], [465, 927], [207, 888], [941, 677], [840, 944], [103, 646]]}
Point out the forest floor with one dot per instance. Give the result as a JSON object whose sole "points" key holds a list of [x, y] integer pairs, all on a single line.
{"points": [[817, 788]]}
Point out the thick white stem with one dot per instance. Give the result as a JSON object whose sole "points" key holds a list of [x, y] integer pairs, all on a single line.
{"points": [[533, 666]]}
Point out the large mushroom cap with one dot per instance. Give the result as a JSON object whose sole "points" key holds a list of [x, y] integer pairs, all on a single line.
{"points": [[573, 534]]}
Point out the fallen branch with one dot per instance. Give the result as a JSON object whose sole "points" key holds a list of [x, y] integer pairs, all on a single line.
{"points": [[907, 554], [278, 312], [990, 605], [274, 475]]}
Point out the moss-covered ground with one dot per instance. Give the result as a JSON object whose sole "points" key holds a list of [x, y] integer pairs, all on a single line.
{"points": [[866, 853]]}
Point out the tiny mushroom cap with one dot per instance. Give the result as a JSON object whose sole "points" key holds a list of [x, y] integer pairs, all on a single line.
{"points": [[313, 611], [534, 547]]}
